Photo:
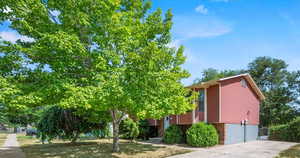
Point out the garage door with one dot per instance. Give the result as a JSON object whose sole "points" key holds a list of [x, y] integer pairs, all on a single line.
{"points": [[236, 133]]}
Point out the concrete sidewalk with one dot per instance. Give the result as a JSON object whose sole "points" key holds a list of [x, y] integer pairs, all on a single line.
{"points": [[254, 149], [11, 148]]}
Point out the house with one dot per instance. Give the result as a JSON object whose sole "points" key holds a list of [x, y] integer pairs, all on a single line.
{"points": [[231, 104]]}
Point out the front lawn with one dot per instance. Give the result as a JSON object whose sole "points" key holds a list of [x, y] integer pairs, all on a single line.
{"points": [[2, 138], [293, 152], [94, 148]]}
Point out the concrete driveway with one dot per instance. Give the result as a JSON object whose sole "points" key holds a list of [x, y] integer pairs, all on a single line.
{"points": [[254, 149]]}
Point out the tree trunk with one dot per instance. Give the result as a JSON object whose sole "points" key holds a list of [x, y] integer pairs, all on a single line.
{"points": [[116, 147], [116, 120]]}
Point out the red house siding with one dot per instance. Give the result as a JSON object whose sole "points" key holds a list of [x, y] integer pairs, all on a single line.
{"points": [[199, 116], [173, 119], [238, 103], [185, 119], [152, 122], [213, 104]]}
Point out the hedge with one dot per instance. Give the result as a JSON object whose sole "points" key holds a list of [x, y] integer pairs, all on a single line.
{"points": [[173, 135], [202, 135], [287, 132]]}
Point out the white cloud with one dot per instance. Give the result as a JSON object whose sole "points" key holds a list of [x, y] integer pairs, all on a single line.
{"points": [[201, 9], [199, 27], [13, 36]]}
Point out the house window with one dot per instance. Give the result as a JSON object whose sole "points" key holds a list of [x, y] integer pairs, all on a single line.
{"points": [[244, 83], [201, 100]]}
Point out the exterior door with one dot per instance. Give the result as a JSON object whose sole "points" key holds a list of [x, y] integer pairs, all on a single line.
{"points": [[166, 122]]}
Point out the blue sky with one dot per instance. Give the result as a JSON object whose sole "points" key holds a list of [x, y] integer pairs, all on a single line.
{"points": [[228, 34]]}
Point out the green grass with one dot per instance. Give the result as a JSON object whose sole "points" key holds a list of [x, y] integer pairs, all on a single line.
{"points": [[94, 148], [24, 137], [293, 152]]}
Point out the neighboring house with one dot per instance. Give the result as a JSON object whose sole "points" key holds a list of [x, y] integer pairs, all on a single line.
{"points": [[228, 103]]}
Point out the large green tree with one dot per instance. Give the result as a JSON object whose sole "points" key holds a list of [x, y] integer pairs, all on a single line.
{"points": [[15, 87], [281, 88], [108, 55]]}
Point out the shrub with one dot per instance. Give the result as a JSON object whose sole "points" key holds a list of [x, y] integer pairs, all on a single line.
{"points": [[294, 130], [129, 129], [287, 132], [173, 135], [278, 132], [56, 122], [144, 130], [202, 135], [102, 133]]}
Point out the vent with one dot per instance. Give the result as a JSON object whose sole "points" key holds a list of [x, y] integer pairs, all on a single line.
{"points": [[244, 83]]}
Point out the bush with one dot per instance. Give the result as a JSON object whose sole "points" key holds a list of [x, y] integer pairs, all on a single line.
{"points": [[56, 122], [173, 135], [144, 130], [102, 133], [287, 132], [129, 129], [278, 132], [202, 135]]}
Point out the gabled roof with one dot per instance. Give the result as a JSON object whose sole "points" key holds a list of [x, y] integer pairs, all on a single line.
{"points": [[215, 82]]}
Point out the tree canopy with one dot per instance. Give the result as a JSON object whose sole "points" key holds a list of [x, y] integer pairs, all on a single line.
{"points": [[214, 74], [101, 55], [281, 88]]}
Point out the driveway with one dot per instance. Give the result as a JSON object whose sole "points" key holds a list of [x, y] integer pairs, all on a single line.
{"points": [[254, 149]]}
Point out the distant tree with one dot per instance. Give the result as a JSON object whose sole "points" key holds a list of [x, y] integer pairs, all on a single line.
{"points": [[56, 122], [280, 87], [3, 116], [214, 74], [22, 117]]}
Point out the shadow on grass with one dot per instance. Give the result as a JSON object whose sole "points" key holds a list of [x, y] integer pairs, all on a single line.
{"points": [[85, 150]]}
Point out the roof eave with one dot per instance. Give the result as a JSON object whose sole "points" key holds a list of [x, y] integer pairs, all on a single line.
{"points": [[215, 82]]}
